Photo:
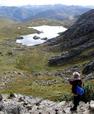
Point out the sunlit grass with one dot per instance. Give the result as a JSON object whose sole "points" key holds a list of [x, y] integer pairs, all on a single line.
{"points": [[30, 86]]}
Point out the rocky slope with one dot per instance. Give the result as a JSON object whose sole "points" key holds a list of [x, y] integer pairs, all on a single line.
{"points": [[77, 43], [20, 104], [76, 34]]}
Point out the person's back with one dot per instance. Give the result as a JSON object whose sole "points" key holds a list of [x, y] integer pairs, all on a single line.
{"points": [[76, 81]]}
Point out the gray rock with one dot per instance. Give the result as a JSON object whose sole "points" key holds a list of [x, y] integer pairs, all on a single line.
{"points": [[20, 37], [12, 95], [1, 105], [1, 112], [61, 104], [45, 38], [36, 37], [92, 105], [12, 109], [63, 59], [28, 105], [1, 98], [88, 68]]}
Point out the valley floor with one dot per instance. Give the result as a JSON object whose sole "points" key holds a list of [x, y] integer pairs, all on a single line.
{"points": [[25, 70]]}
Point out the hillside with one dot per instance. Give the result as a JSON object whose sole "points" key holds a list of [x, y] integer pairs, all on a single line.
{"points": [[17, 65], [5, 22], [31, 70], [51, 22], [77, 43], [10, 29]]}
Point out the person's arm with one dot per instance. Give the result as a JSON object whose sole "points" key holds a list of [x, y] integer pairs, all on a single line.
{"points": [[71, 81]]}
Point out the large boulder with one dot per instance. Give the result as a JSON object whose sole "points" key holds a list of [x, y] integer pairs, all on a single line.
{"points": [[88, 68], [12, 109]]}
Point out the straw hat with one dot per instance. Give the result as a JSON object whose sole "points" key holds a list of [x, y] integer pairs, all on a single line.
{"points": [[76, 75]]}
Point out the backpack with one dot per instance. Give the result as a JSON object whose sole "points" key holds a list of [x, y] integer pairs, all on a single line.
{"points": [[80, 90]]}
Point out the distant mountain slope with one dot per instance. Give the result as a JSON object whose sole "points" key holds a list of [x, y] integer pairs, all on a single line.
{"points": [[5, 22], [45, 11], [62, 12]]}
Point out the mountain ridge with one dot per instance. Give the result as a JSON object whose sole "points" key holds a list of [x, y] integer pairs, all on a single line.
{"points": [[25, 13]]}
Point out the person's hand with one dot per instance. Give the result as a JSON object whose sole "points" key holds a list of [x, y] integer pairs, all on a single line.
{"points": [[67, 79]]}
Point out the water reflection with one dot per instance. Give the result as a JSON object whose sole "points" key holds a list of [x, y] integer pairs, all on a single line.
{"points": [[46, 32]]}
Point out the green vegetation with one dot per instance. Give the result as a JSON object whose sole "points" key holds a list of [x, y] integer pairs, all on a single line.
{"points": [[29, 59], [89, 90], [53, 88], [10, 29], [44, 86], [35, 59], [14, 57], [50, 22]]}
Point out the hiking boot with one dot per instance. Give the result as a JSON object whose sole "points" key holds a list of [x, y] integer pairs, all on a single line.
{"points": [[73, 109]]}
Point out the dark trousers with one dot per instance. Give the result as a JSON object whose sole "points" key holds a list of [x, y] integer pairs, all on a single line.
{"points": [[77, 99]]}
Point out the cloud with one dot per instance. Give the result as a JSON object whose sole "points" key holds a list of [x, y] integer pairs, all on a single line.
{"points": [[41, 2]]}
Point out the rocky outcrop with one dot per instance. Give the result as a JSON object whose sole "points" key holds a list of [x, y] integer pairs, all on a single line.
{"points": [[72, 54], [88, 68], [60, 60], [21, 104]]}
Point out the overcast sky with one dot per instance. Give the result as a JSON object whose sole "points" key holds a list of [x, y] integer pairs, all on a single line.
{"points": [[42, 2]]}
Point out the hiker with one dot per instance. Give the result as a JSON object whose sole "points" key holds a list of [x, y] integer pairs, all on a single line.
{"points": [[76, 82]]}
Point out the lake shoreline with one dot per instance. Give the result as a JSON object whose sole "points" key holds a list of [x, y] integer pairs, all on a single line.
{"points": [[45, 33]]}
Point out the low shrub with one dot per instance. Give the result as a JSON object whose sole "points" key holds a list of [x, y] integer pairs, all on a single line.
{"points": [[89, 91]]}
